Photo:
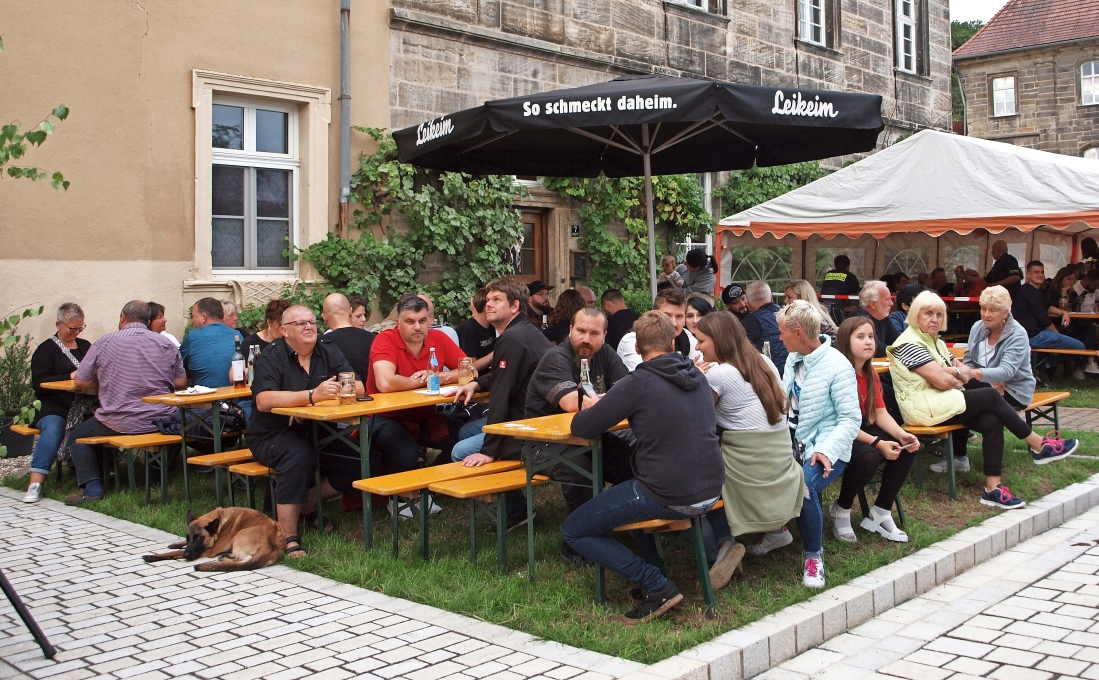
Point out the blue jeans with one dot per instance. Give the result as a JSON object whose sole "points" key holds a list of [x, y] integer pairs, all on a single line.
{"points": [[811, 520], [1048, 339], [49, 441], [470, 440], [588, 530]]}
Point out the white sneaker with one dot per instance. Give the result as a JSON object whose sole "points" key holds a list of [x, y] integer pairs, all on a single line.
{"points": [[813, 575], [34, 493], [961, 464], [768, 541], [409, 512], [1092, 367], [1078, 374]]}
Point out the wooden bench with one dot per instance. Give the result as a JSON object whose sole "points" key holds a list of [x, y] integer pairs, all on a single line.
{"points": [[249, 472], [1043, 406], [410, 485], [106, 457], [1040, 356], [155, 448], [937, 438], [486, 498], [25, 430], [219, 462], [688, 531]]}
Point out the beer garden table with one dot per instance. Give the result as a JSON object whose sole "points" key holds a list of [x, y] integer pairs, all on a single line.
{"points": [[198, 406], [333, 421], [68, 386], [543, 433]]}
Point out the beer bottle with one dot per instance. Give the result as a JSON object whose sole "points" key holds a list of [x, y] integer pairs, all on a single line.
{"points": [[238, 368], [585, 379], [433, 377], [545, 321]]}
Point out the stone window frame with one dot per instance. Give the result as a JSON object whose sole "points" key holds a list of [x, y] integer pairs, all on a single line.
{"points": [[992, 78], [716, 7], [921, 55], [314, 115], [1080, 80], [830, 27]]}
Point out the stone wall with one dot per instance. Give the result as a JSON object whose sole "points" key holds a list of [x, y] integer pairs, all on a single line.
{"points": [[452, 54], [1049, 115]]}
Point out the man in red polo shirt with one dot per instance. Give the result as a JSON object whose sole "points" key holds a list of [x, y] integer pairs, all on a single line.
{"points": [[399, 360]]}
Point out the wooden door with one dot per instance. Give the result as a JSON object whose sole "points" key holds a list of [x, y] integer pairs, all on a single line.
{"points": [[529, 257]]}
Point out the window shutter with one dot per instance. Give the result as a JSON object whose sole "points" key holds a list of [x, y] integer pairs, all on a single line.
{"points": [[834, 28]]}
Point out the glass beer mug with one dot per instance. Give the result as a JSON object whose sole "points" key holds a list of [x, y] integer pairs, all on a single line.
{"points": [[347, 388], [466, 371]]}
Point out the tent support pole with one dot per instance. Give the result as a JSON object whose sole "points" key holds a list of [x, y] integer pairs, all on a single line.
{"points": [[649, 209]]}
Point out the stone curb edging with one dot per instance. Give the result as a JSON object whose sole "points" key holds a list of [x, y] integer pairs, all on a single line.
{"points": [[764, 644], [596, 666]]}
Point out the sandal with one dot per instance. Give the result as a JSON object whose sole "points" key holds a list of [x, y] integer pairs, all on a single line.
{"points": [[310, 520], [294, 548]]}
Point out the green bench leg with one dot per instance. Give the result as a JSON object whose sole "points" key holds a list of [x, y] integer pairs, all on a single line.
{"points": [[949, 448], [130, 456], [473, 530], [232, 493], [147, 466], [703, 566], [250, 492], [425, 506], [1056, 418], [396, 501], [501, 534]]}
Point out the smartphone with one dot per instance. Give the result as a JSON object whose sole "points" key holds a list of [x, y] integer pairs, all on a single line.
{"points": [[365, 397]]}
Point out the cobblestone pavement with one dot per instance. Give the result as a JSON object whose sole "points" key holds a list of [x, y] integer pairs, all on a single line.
{"points": [[111, 615], [1079, 419], [1031, 613]]}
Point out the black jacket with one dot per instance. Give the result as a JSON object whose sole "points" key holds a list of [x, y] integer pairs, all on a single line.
{"points": [[518, 350], [620, 323], [671, 411], [884, 333], [49, 364]]}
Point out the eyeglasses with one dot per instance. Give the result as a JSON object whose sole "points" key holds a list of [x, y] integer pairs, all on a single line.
{"points": [[301, 324], [74, 330]]}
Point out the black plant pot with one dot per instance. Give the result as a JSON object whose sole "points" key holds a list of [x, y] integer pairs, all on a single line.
{"points": [[18, 444]]}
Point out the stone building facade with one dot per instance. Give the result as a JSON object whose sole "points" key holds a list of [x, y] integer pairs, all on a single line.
{"points": [[447, 55], [1048, 107]]}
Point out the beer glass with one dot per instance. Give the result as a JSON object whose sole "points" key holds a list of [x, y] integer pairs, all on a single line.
{"points": [[347, 388], [466, 371]]}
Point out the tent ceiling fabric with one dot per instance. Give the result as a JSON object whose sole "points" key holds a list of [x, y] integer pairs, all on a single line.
{"points": [[585, 131], [934, 182]]}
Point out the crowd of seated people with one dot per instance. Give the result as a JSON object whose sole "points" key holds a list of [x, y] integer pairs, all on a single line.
{"points": [[771, 403]]}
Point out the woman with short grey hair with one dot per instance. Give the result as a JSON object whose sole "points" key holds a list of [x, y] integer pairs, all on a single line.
{"points": [[55, 359]]}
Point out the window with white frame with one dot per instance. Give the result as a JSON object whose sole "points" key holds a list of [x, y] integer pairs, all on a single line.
{"points": [[1092, 153], [811, 21], [711, 6], [254, 179], [906, 35], [1003, 96], [1089, 83]]}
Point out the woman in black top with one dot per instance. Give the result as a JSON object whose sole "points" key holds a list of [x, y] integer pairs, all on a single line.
{"points": [[272, 327], [55, 359], [568, 304]]}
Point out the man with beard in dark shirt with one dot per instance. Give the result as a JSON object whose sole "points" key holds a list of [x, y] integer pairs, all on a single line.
{"points": [[554, 389]]}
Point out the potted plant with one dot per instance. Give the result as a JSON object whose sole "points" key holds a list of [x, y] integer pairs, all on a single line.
{"points": [[17, 402]]}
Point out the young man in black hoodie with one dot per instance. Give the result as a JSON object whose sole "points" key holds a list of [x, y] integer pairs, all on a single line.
{"points": [[678, 471], [518, 350]]}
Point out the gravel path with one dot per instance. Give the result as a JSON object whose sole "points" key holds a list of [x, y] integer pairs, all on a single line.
{"points": [[10, 466]]}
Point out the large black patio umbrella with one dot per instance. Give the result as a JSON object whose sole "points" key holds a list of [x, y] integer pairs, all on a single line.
{"points": [[645, 125]]}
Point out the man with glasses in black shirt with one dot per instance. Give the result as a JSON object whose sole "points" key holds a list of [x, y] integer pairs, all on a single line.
{"points": [[296, 370]]}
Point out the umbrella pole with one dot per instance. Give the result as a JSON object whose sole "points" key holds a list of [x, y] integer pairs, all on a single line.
{"points": [[649, 212]]}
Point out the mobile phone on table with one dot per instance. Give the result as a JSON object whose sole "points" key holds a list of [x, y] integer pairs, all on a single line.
{"points": [[365, 397]]}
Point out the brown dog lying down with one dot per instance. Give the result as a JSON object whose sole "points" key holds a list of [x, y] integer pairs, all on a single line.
{"points": [[241, 538]]}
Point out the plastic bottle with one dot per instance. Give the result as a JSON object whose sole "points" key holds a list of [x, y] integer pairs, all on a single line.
{"points": [[432, 373]]}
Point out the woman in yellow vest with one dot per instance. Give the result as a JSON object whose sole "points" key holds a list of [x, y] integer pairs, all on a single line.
{"points": [[931, 389]]}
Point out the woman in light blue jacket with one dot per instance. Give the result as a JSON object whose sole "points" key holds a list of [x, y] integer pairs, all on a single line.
{"points": [[824, 420]]}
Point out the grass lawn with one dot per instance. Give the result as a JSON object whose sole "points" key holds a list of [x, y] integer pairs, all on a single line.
{"points": [[560, 605], [1085, 393]]}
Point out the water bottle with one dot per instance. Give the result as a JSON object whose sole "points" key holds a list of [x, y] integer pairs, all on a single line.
{"points": [[432, 373], [767, 348]]}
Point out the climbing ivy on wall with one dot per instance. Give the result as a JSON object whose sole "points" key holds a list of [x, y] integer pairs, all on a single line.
{"points": [[622, 261], [471, 221], [748, 188]]}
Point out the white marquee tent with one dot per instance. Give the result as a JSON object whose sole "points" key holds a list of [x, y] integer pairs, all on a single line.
{"points": [[934, 199]]}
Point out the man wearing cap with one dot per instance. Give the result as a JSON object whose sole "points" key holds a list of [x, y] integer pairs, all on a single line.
{"points": [[539, 309], [737, 303]]}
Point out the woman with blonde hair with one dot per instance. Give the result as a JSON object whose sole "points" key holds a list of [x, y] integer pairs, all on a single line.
{"points": [[763, 482], [930, 385], [800, 289]]}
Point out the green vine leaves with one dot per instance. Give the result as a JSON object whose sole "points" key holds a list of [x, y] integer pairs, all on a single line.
{"points": [[14, 145]]}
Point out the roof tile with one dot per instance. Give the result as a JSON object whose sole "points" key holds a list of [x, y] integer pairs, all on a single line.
{"points": [[1030, 23]]}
